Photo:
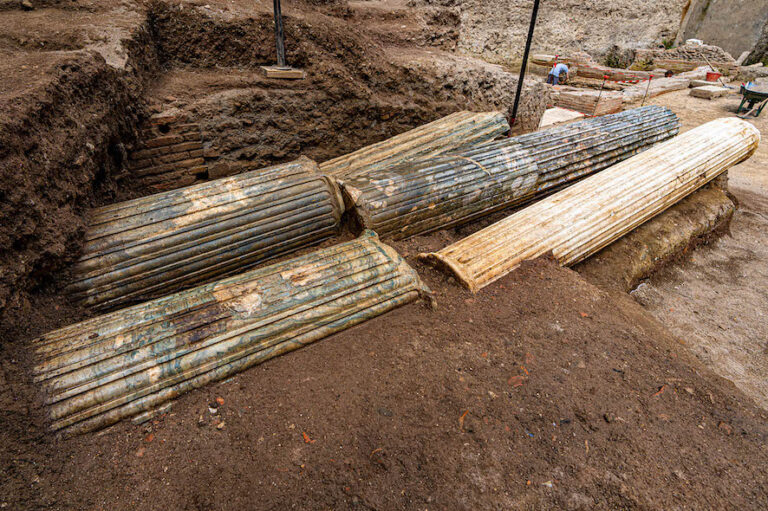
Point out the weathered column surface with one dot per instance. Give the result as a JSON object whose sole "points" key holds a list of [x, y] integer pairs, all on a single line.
{"points": [[161, 243], [102, 370], [580, 220], [425, 195], [450, 133]]}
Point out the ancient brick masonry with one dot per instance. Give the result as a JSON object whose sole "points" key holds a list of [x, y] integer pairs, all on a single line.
{"points": [[689, 57], [170, 153], [591, 102]]}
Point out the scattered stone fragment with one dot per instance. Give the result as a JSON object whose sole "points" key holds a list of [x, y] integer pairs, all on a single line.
{"points": [[709, 92], [700, 83]]}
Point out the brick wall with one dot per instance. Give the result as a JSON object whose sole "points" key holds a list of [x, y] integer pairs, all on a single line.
{"points": [[170, 153]]}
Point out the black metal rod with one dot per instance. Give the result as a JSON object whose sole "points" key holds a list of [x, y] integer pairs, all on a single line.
{"points": [[525, 62], [279, 33]]}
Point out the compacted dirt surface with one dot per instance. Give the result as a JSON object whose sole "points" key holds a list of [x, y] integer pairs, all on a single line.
{"points": [[717, 299], [541, 392]]}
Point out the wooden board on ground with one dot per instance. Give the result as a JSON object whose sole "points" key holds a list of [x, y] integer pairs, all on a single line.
{"points": [[286, 73]]}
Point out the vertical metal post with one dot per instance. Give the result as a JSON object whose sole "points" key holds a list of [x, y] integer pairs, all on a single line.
{"points": [[279, 33], [525, 62], [646, 90]]}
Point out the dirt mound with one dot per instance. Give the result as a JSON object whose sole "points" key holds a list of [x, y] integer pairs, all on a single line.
{"points": [[541, 392], [695, 220], [357, 91], [61, 127]]}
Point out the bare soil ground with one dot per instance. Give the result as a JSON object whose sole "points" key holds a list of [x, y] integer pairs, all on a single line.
{"points": [[717, 299], [542, 392]]}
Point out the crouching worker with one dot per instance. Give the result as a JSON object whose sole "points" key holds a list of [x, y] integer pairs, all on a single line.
{"points": [[555, 75]]}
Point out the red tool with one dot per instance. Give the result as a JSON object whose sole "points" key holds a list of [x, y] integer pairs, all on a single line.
{"points": [[647, 89]]}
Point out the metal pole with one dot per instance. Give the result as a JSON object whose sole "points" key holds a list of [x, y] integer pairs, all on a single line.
{"points": [[646, 90], [525, 62], [279, 33]]}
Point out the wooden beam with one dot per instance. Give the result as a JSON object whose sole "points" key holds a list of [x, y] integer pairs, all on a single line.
{"points": [[285, 73]]}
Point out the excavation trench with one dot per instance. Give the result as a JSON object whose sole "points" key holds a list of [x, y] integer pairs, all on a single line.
{"points": [[426, 403], [189, 98], [69, 142], [189, 94]]}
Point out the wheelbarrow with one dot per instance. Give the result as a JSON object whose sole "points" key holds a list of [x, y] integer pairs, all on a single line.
{"points": [[752, 95]]}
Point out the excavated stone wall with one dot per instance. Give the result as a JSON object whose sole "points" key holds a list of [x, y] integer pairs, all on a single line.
{"points": [[497, 30]]}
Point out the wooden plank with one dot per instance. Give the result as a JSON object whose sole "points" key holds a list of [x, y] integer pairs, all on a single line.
{"points": [[285, 73]]}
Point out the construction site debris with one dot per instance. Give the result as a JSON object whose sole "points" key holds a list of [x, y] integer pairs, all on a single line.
{"points": [[595, 83], [690, 52], [681, 66], [436, 193], [688, 57], [559, 115], [657, 86], [574, 58], [451, 133], [161, 243], [110, 367], [580, 220], [614, 74], [699, 73], [583, 66]]}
